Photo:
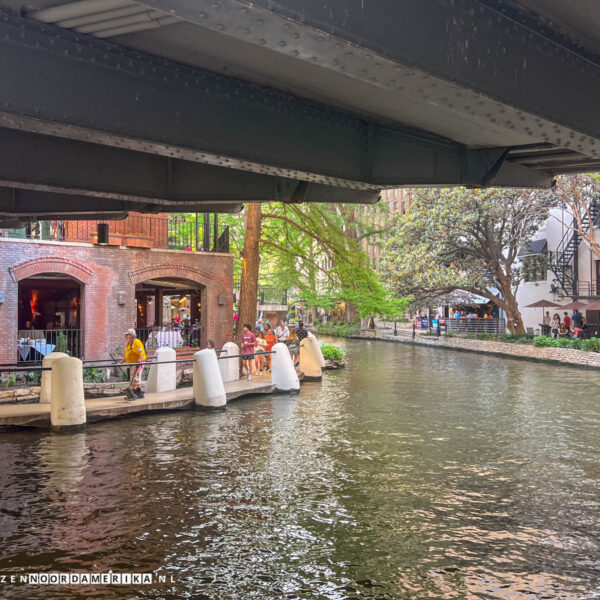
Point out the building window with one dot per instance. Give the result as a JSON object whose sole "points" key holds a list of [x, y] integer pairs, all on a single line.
{"points": [[535, 267]]}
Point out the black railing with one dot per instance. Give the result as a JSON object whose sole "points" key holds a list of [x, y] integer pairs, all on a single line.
{"points": [[34, 344], [272, 295], [194, 233], [465, 325]]}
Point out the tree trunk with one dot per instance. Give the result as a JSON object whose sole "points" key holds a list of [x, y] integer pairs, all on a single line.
{"points": [[250, 265], [514, 320]]}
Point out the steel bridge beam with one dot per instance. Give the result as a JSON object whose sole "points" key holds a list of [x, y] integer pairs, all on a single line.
{"points": [[84, 90], [114, 179]]}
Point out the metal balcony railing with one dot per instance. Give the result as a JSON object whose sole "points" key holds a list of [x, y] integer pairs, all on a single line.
{"points": [[176, 232]]}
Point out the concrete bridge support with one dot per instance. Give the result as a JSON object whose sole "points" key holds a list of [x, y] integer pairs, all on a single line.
{"points": [[67, 404], [229, 367], [209, 391], [45, 387], [283, 373], [163, 378], [310, 358]]}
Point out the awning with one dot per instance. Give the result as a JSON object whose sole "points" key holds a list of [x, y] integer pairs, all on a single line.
{"points": [[534, 248]]}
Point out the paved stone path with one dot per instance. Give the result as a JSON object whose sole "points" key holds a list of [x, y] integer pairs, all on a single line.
{"points": [[38, 415]]}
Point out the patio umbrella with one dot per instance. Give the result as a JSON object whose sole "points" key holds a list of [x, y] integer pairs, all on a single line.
{"points": [[576, 306], [593, 306], [543, 304]]}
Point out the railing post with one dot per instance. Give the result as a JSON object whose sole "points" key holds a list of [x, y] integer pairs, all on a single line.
{"points": [[414, 332], [395, 329]]}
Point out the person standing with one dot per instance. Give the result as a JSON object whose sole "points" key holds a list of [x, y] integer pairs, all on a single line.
{"points": [[135, 354], [282, 333], [554, 325], [261, 344], [248, 343], [294, 346], [567, 321], [301, 331], [271, 341]]}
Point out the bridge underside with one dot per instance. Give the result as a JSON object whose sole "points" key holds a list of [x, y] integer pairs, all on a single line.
{"points": [[172, 105]]}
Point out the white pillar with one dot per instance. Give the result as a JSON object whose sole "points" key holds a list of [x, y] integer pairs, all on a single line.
{"points": [[230, 367], [310, 362], [283, 373], [209, 391], [163, 378], [45, 387], [67, 404], [321, 357]]}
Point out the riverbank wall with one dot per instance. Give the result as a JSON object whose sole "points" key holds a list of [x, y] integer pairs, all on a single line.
{"points": [[562, 356]]}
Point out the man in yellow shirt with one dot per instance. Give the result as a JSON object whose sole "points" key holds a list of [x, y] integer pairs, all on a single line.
{"points": [[135, 355]]}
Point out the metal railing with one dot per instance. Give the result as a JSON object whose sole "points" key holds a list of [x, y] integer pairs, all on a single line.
{"points": [[475, 326], [176, 232], [34, 344], [156, 337]]}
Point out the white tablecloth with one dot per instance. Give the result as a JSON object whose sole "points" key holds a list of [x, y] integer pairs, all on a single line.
{"points": [[168, 338], [42, 346]]}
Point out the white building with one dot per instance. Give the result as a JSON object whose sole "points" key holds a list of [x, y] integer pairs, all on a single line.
{"points": [[559, 267]]}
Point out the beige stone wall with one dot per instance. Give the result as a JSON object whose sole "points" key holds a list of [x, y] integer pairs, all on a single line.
{"points": [[527, 351]]}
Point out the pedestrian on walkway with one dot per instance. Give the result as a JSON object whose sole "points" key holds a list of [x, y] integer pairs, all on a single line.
{"points": [[271, 341], [555, 325], [282, 333], [294, 346], [301, 331], [248, 343], [135, 354]]}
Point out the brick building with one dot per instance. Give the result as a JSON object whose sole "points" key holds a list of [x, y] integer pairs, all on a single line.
{"points": [[57, 276]]}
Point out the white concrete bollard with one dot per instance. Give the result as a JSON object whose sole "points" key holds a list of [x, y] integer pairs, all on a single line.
{"points": [[230, 367], [163, 378], [310, 362], [283, 373], [321, 357], [45, 386], [67, 403], [209, 391]]}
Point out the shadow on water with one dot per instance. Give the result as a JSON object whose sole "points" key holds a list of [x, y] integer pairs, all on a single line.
{"points": [[413, 473]]}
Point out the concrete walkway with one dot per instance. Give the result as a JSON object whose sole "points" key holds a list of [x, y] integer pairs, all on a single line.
{"points": [[38, 415]]}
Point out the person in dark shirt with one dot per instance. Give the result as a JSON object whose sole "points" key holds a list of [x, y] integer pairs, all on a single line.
{"points": [[301, 332], [577, 319]]}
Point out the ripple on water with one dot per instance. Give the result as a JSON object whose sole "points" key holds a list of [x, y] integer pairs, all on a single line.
{"points": [[413, 473]]}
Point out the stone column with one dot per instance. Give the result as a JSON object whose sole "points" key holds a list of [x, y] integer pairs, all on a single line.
{"points": [[209, 391], [46, 385], [283, 373], [67, 404]]}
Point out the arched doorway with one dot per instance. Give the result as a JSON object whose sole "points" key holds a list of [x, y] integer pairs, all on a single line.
{"points": [[49, 316], [169, 312]]}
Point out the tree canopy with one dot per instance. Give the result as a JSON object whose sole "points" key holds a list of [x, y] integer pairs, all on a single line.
{"points": [[458, 238]]}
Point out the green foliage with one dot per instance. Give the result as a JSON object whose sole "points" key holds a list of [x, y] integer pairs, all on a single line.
{"points": [[458, 238], [33, 377], [92, 375], [11, 379], [589, 345], [332, 352], [316, 251], [61, 343], [334, 329]]}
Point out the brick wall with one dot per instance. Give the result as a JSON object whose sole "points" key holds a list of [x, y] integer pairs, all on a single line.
{"points": [[106, 271]]}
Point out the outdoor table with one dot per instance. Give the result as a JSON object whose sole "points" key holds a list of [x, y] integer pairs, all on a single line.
{"points": [[41, 346]]}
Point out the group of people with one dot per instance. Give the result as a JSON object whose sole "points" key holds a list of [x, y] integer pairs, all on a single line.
{"points": [[256, 347], [568, 327]]}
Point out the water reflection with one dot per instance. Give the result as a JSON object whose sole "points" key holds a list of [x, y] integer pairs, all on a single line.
{"points": [[414, 473]]}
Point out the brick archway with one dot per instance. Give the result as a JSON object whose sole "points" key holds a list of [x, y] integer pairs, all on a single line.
{"points": [[170, 271], [51, 264]]}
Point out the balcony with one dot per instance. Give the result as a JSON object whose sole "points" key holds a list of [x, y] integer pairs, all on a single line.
{"points": [[192, 232]]}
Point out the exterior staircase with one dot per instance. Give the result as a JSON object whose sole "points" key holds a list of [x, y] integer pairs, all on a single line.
{"points": [[564, 264]]}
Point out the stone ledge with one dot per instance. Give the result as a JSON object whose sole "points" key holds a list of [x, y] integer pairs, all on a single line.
{"points": [[563, 356]]}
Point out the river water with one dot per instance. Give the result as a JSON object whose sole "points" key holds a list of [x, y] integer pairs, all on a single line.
{"points": [[413, 473]]}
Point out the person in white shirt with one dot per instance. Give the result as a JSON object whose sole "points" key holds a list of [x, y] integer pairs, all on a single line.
{"points": [[282, 333]]}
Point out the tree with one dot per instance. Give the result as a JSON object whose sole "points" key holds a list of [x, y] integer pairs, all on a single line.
{"points": [[250, 266], [580, 196], [465, 239]]}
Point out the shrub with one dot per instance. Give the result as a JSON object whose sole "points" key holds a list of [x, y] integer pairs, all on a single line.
{"points": [[543, 341], [338, 329], [332, 352], [92, 375]]}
